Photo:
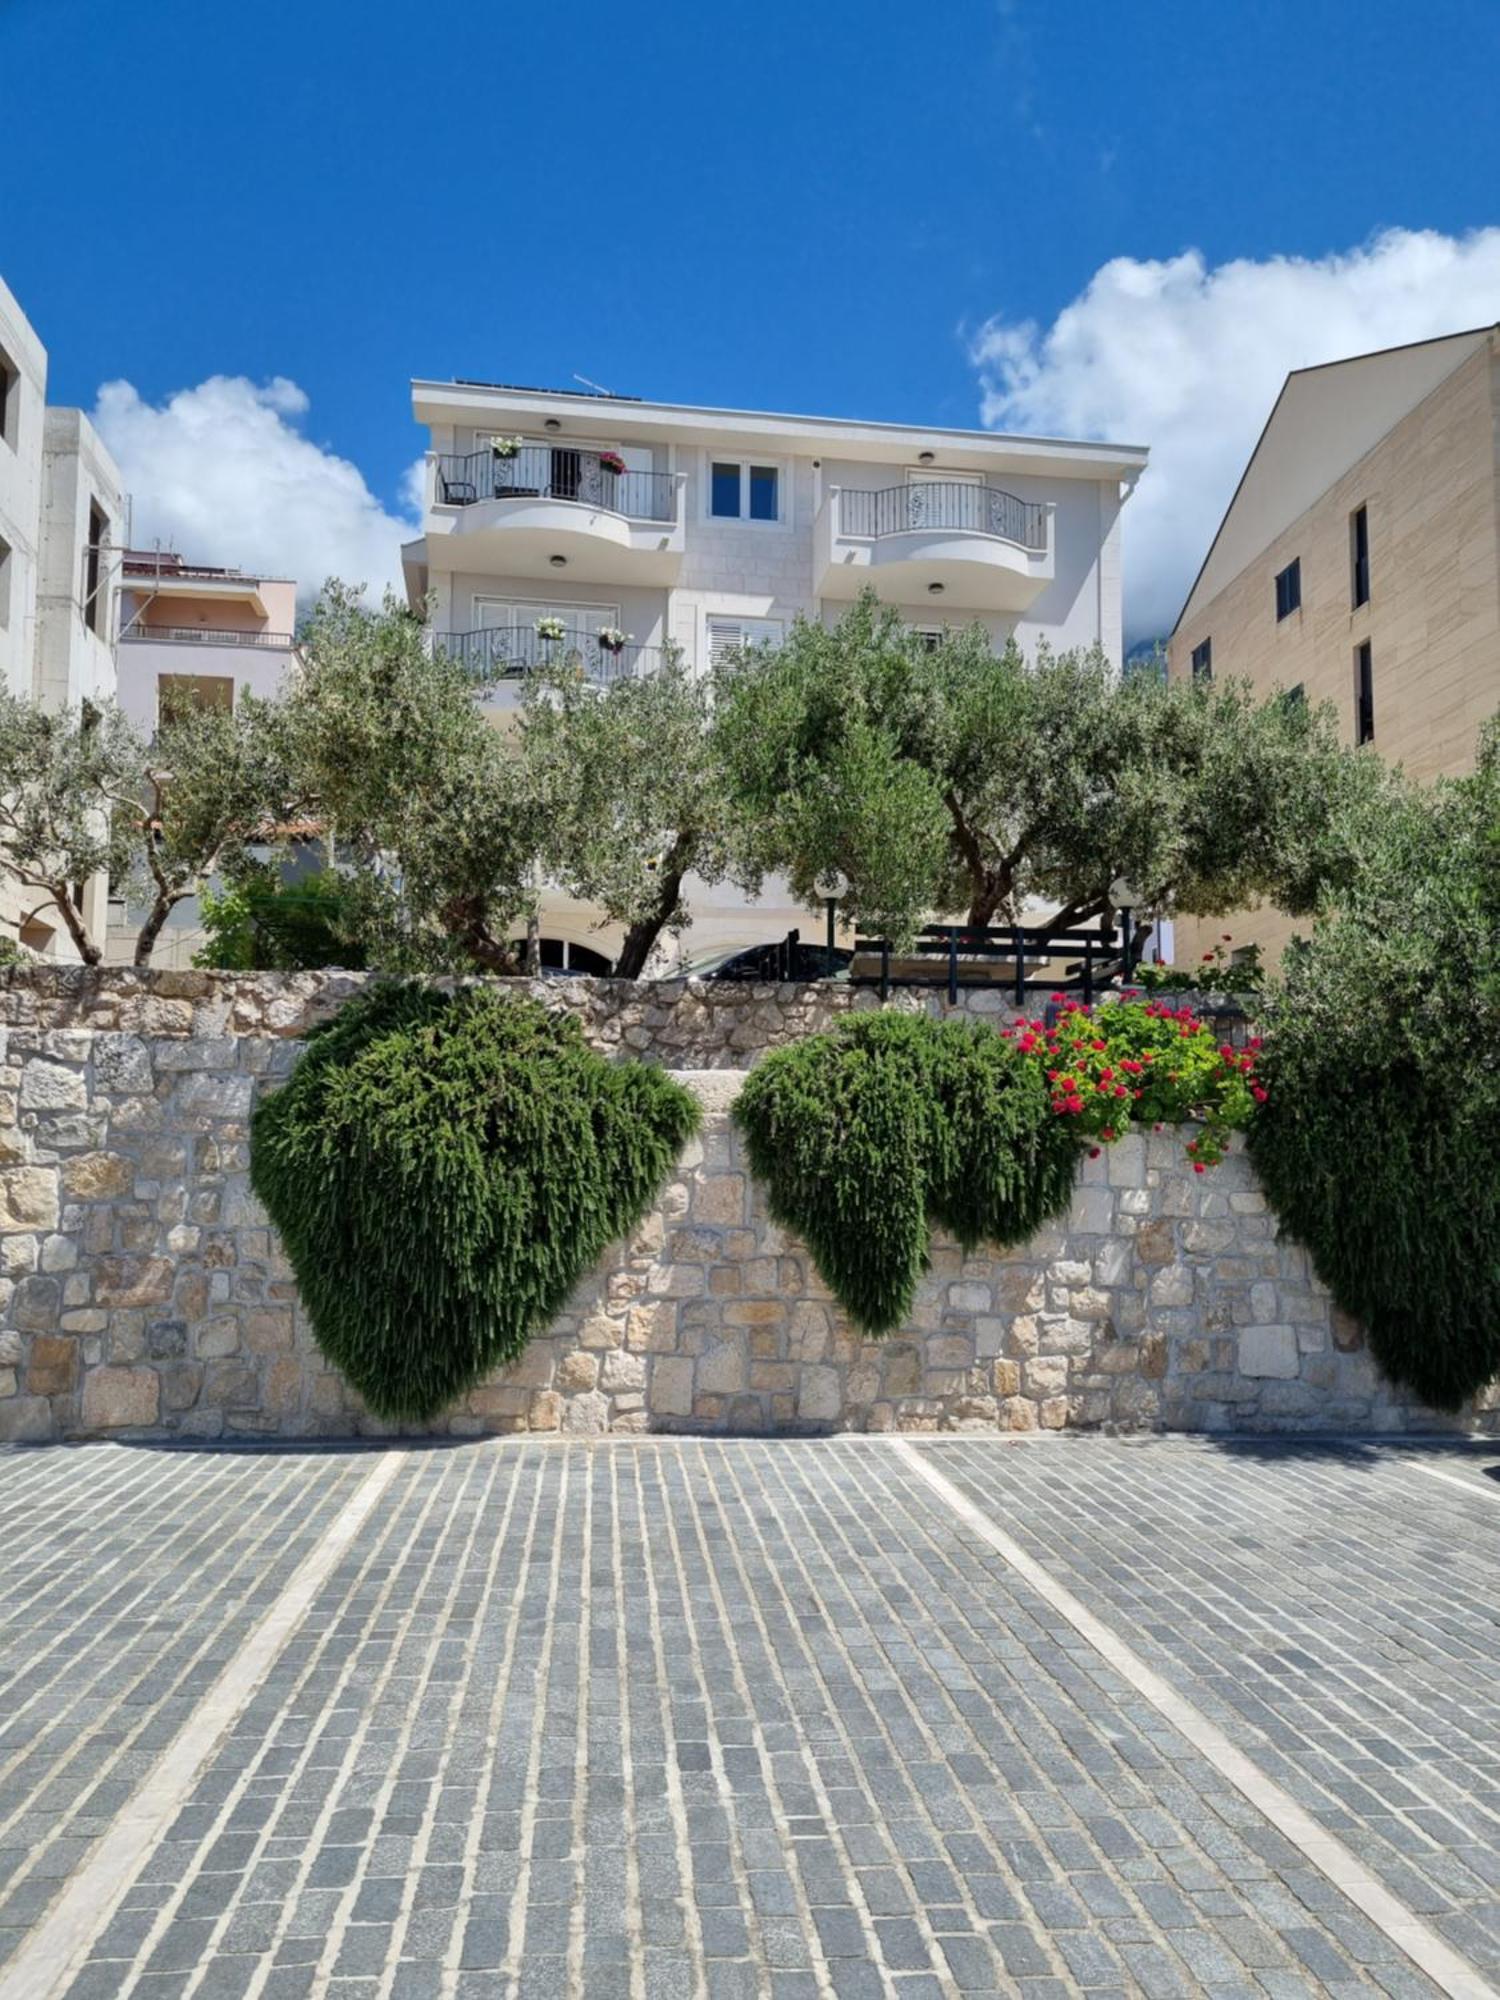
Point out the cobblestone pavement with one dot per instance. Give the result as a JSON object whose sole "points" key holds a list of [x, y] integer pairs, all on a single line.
{"points": [[701, 1719]]}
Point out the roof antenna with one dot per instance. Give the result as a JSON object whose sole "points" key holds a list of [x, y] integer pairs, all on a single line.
{"points": [[594, 386]]}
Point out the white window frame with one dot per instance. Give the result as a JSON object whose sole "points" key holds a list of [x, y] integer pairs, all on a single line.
{"points": [[756, 631], [779, 466], [942, 475], [577, 616]]}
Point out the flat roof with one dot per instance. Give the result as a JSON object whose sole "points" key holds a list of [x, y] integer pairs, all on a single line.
{"points": [[580, 413]]}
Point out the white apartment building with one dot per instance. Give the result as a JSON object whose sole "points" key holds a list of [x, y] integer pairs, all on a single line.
{"points": [[704, 528], [62, 534]]}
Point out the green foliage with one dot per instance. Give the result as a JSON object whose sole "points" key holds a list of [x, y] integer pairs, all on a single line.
{"points": [[1142, 1062], [1236, 970], [442, 1169], [866, 1134], [61, 776], [1378, 1147], [81, 794], [953, 778], [431, 804], [262, 923], [634, 795]]}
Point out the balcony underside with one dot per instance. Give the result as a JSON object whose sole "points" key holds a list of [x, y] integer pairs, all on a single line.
{"points": [[523, 536], [979, 572]]}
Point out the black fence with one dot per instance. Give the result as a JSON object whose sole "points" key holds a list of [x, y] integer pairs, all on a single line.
{"points": [[555, 472], [951, 956]]}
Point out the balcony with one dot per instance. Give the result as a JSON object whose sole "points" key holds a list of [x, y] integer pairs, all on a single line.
{"points": [[979, 546], [547, 508], [501, 657], [205, 635]]}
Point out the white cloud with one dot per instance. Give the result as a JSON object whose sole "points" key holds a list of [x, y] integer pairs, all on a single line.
{"points": [[1188, 360], [223, 474]]}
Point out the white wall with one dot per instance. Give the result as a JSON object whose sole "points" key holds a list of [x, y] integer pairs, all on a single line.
{"points": [[75, 658], [20, 493], [257, 670]]}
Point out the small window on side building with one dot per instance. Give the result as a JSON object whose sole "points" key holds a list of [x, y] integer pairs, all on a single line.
{"points": [[1203, 661], [95, 596], [10, 399], [1289, 589], [1364, 694], [1359, 557]]}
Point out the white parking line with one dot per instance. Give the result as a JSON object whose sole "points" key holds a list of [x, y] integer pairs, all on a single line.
{"points": [[50, 1958], [1422, 1945]]}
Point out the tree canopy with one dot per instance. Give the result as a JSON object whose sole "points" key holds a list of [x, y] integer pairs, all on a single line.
{"points": [[949, 777]]}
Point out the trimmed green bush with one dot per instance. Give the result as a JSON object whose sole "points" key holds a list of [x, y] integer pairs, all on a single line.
{"points": [[865, 1135], [1379, 1144], [443, 1168]]}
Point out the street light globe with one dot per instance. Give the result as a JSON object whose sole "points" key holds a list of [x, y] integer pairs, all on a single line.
{"points": [[1124, 894], [832, 885]]}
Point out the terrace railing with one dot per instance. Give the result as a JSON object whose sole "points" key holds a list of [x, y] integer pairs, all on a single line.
{"points": [[1005, 955], [555, 472], [944, 504], [205, 635], [505, 653]]}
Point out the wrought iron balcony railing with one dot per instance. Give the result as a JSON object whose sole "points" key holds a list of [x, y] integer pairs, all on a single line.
{"points": [[555, 472], [204, 635], [507, 654], [944, 503]]}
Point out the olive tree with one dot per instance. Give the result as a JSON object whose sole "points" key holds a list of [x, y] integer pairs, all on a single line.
{"points": [[956, 778]]}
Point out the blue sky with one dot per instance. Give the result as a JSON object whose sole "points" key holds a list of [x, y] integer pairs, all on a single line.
{"points": [[797, 204]]}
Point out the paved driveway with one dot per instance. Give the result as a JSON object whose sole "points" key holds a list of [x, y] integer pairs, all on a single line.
{"points": [[729, 1718]]}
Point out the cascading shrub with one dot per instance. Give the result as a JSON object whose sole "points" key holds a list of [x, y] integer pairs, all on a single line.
{"points": [[865, 1134], [442, 1168], [1378, 1148]]}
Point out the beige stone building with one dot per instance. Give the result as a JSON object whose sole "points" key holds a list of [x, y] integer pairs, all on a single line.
{"points": [[1359, 563]]}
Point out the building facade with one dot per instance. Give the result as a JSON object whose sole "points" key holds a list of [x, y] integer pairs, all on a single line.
{"points": [[1359, 564], [662, 525], [191, 634], [62, 536]]}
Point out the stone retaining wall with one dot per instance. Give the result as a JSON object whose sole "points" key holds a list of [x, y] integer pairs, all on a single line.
{"points": [[142, 1291]]}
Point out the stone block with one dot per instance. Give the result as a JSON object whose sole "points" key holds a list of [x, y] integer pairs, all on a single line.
{"points": [[36, 1304], [1092, 1212], [1268, 1350], [718, 1199], [52, 1366], [28, 1198], [818, 1395], [98, 1176], [49, 1086], [121, 1398], [133, 1281], [671, 1388], [26, 1420], [577, 1371], [622, 1371], [723, 1370]]}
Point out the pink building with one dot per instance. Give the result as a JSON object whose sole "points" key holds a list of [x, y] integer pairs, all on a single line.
{"points": [[193, 632]]}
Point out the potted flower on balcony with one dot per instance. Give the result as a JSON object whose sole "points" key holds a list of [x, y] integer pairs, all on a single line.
{"points": [[611, 639], [551, 631], [505, 447], [611, 461]]}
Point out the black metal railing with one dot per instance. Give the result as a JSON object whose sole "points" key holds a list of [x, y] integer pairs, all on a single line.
{"points": [[204, 635], [1004, 955], [510, 654], [944, 503], [555, 472]]}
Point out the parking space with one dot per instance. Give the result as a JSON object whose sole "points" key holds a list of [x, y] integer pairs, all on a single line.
{"points": [[677, 1717]]}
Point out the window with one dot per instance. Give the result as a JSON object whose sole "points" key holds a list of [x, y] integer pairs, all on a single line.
{"points": [[732, 635], [1364, 694], [4, 583], [931, 636], [1203, 661], [95, 597], [10, 399], [178, 695], [1359, 557], [1289, 589], [744, 492]]}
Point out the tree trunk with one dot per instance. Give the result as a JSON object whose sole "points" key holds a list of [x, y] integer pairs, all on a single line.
{"points": [[83, 944], [150, 930], [465, 920], [640, 939]]}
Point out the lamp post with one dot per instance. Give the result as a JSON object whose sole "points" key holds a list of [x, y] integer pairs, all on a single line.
{"points": [[831, 887], [1125, 898]]}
